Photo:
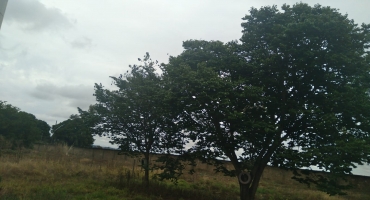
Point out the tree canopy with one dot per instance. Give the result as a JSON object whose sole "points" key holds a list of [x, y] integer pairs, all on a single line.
{"points": [[136, 116], [311, 63], [73, 132]]}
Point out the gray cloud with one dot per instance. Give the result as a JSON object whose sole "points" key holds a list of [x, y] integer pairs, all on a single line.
{"points": [[82, 43], [59, 102], [74, 93], [59, 113], [35, 16], [42, 95]]}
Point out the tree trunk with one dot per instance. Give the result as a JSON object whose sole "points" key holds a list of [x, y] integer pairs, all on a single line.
{"points": [[146, 168], [243, 191], [248, 191]]}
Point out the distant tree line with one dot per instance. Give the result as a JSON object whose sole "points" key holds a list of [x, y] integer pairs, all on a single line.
{"points": [[292, 93], [20, 129]]}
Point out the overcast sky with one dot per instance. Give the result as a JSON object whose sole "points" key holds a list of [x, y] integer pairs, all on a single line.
{"points": [[53, 51]]}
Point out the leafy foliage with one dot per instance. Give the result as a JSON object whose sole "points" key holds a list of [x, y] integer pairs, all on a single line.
{"points": [[311, 63], [45, 131], [213, 97], [294, 94], [73, 132], [136, 116], [20, 129]]}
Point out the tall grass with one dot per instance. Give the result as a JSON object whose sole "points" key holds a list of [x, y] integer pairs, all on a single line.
{"points": [[49, 173]]}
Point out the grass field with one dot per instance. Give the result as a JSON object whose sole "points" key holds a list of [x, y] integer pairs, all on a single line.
{"points": [[61, 173]]}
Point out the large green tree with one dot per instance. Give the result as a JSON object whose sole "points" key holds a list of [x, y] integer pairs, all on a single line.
{"points": [[311, 63], [292, 94], [136, 116]]}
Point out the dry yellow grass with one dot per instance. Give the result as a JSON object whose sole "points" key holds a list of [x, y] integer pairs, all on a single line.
{"points": [[79, 170]]}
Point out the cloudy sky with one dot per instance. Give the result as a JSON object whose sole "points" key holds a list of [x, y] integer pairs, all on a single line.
{"points": [[53, 51]]}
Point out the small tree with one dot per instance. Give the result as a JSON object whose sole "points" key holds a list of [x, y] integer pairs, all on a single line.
{"points": [[73, 132], [136, 116]]}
